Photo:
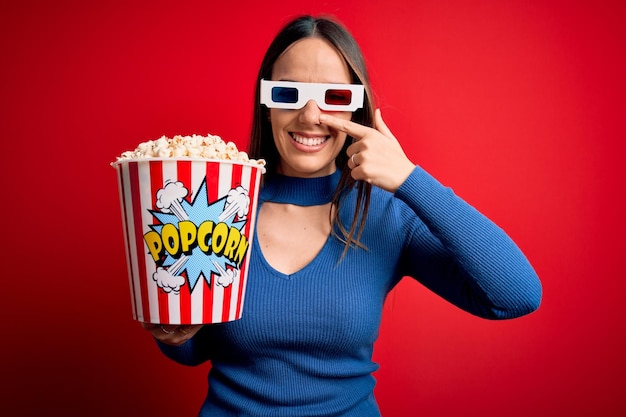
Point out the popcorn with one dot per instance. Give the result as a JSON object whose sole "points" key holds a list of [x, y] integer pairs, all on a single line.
{"points": [[194, 146]]}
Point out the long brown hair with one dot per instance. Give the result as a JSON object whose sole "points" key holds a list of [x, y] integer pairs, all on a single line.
{"points": [[261, 141]]}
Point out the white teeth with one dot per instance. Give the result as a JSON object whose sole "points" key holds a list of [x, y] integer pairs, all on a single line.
{"points": [[309, 141]]}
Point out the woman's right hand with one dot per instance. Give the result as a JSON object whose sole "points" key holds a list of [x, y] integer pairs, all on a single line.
{"points": [[375, 156], [172, 334]]}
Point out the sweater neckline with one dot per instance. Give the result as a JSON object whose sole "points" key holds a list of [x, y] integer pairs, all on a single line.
{"points": [[300, 191]]}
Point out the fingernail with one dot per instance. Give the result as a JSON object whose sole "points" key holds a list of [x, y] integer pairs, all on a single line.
{"points": [[322, 118]]}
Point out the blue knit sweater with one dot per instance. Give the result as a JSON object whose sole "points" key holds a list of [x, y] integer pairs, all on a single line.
{"points": [[304, 344]]}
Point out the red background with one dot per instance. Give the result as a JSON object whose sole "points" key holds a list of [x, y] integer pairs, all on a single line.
{"points": [[517, 105]]}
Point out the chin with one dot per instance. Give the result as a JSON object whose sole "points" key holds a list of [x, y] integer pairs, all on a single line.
{"points": [[308, 169]]}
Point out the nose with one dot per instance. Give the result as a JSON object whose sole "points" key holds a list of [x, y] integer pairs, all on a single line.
{"points": [[310, 113]]}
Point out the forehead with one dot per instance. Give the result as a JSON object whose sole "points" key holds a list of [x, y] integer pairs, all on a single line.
{"points": [[311, 60]]}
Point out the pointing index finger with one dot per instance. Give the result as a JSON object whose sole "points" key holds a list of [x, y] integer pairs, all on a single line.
{"points": [[355, 130]]}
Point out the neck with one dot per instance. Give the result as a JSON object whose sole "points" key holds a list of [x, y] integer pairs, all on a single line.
{"points": [[300, 191]]}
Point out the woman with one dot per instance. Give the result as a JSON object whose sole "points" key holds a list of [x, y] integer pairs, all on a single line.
{"points": [[343, 216]]}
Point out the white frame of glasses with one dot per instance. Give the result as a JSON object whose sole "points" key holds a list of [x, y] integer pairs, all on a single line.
{"points": [[312, 91]]}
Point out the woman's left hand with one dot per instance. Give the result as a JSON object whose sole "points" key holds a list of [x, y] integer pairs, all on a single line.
{"points": [[376, 155]]}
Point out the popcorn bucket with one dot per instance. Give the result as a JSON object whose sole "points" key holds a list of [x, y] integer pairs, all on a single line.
{"points": [[188, 228]]}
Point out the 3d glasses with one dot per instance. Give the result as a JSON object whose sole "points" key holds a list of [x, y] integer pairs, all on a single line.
{"points": [[294, 95]]}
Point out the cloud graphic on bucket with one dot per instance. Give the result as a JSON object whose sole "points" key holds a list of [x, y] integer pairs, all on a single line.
{"points": [[168, 282], [170, 197], [199, 238], [237, 201]]}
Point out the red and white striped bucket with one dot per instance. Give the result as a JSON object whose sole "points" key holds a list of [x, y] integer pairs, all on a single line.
{"points": [[188, 228]]}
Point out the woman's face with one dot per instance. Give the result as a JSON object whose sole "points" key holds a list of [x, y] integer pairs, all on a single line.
{"points": [[306, 148]]}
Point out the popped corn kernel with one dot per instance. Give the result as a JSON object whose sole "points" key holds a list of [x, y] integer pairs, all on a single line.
{"points": [[193, 146]]}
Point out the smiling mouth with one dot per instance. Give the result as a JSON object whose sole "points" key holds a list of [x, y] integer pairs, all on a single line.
{"points": [[309, 141]]}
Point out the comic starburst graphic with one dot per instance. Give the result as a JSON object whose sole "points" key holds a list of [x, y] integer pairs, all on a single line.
{"points": [[174, 208]]}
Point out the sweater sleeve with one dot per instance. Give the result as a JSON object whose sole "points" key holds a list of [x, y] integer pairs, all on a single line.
{"points": [[463, 256]]}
